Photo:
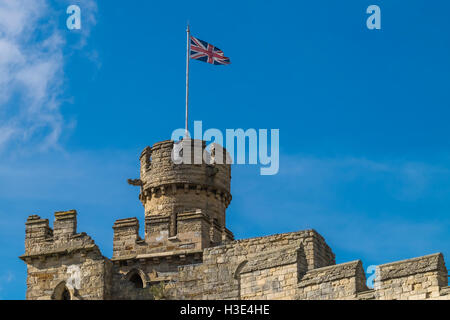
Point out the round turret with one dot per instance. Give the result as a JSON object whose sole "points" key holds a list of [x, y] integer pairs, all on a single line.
{"points": [[181, 178], [160, 165]]}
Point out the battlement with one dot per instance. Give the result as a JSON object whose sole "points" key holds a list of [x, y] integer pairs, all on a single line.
{"points": [[65, 224], [41, 240], [37, 231], [126, 236], [193, 234], [57, 260], [185, 162]]}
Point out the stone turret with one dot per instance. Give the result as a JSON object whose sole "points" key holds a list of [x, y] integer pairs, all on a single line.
{"points": [[184, 202]]}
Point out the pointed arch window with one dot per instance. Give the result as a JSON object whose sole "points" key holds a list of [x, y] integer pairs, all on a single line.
{"points": [[137, 278], [61, 292], [137, 281]]}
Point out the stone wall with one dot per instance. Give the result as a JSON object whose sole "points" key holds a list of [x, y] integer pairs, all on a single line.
{"points": [[300, 266], [269, 283], [418, 278], [254, 268]]}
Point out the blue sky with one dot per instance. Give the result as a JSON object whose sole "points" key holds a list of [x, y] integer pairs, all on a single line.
{"points": [[363, 117]]}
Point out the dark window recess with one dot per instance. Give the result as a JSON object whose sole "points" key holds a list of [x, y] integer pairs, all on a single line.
{"points": [[137, 281], [65, 295]]}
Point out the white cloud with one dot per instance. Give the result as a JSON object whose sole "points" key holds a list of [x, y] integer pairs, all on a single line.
{"points": [[32, 71]]}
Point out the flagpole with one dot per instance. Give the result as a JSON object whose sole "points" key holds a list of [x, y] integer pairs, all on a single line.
{"points": [[188, 47]]}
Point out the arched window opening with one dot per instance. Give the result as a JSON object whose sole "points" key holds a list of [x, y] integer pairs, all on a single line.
{"points": [[237, 276], [137, 281], [137, 277], [61, 292]]}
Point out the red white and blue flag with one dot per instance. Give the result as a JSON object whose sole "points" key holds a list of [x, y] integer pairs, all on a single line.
{"points": [[203, 51]]}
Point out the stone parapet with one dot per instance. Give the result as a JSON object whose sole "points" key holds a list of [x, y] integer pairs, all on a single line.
{"points": [[417, 278], [341, 281]]}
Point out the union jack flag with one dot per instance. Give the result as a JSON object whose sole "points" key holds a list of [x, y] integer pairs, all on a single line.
{"points": [[203, 51]]}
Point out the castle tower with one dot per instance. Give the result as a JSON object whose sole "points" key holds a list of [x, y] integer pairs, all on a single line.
{"points": [[185, 191]]}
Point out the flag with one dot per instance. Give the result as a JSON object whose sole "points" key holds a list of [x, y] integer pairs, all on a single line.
{"points": [[203, 51]]}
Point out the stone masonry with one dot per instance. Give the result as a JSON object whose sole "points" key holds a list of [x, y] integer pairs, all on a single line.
{"points": [[188, 253]]}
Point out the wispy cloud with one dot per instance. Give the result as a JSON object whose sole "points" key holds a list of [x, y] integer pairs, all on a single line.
{"points": [[89, 11], [32, 72]]}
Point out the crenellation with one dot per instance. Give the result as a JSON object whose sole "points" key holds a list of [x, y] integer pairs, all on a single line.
{"points": [[126, 237], [37, 231], [58, 266], [65, 224]]}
